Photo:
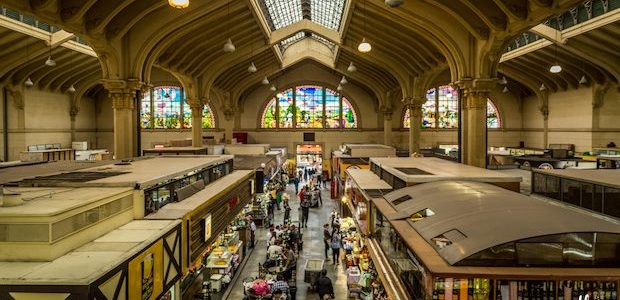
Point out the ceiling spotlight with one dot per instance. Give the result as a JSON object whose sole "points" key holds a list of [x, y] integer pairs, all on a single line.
{"points": [[339, 87], [265, 80], [583, 80], [542, 87], [273, 88], [71, 89], [503, 80], [50, 62], [364, 46], [343, 80], [352, 67], [229, 47], [28, 82], [178, 3], [505, 90], [556, 68]]}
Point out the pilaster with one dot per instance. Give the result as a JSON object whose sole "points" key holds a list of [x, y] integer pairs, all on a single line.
{"points": [[387, 125], [197, 107], [415, 114], [475, 93], [123, 94]]}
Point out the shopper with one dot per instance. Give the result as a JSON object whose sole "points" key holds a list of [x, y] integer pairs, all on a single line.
{"points": [[252, 231], [279, 288], [326, 240], [296, 183], [336, 241], [291, 262], [305, 210], [324, 286]]}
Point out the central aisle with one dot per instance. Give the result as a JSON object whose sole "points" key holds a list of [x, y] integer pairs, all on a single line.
{"points": [[313, 248]]}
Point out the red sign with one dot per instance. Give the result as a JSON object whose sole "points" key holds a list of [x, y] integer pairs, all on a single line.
{"points": [[232, 203]]}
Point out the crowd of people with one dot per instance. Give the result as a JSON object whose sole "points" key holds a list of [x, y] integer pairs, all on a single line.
{"points": [[284, 241]]}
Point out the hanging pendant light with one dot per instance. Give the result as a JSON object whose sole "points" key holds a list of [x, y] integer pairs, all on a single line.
{"points": [[504, 80], [339, 87], [352, 67], [28, 82], [272, 88], [265, 80], [179, 3], [229, 47], [364, 46], [505, 90], [542, 87], [50, 62], [252, 68], [343, 80], [555, 68], [583, 80], [71, 89]]}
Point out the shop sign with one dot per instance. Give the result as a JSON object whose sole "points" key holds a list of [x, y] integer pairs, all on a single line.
{"points": [[232, 203], [207, 223], [146, 273]]}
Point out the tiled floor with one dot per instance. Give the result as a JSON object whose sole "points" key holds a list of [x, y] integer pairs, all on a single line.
{"points": [[312, 249]]}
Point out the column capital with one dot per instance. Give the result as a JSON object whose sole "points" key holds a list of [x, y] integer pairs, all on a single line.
{"points": [[545, 111], [477, 84], [73, 112], [194, 103], [229, 113]]}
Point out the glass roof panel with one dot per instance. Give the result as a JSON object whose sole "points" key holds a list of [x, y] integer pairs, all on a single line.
{"points": [[280, 13], [327, 13]]}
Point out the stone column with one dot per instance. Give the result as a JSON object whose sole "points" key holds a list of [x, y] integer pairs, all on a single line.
{"points": [[415, 116], [123, 102], [387, 127], [73, 114], [197, 108], [474, 123], [545, 113], [229, 124]]}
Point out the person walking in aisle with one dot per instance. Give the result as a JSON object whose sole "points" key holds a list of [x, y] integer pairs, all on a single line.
{"points": [[326, 240], [296, 183], [305, 210], [252, 232], [324, 286], [336, 240]]}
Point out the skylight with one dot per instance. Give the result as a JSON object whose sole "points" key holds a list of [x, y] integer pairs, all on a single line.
{"points": [[281, 13]]}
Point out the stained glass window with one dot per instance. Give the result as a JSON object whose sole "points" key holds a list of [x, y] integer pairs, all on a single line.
{"points": [[447, 105], [286, 108], [208, 119], [332, 109], [349, 117], [309, 106], [146, 112], [167, 107], [493, 119], [429, 110], [448, 114], [312, 107], [269, 115]]}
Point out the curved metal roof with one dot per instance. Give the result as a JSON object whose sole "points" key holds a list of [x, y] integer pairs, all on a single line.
{"points": [[487, 216]]}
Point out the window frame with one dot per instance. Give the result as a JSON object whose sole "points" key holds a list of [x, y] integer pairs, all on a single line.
{"points": [[184, 109]]}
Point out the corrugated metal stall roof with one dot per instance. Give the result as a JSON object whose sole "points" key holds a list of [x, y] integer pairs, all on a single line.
{"points": [[486, 216]]}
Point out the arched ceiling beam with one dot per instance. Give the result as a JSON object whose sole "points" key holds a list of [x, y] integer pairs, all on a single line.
{"points": [[100, 14], [124, 20], [516, 9], [464, 16]]}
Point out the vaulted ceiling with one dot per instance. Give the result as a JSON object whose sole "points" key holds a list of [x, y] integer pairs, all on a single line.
{"points": [[420, 39]]}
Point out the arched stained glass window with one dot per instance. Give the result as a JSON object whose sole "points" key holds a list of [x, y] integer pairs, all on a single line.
{"points": [[349, 117], [164, 107], [443, 103], [312, 106], [269, 115], [493, 119]]}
